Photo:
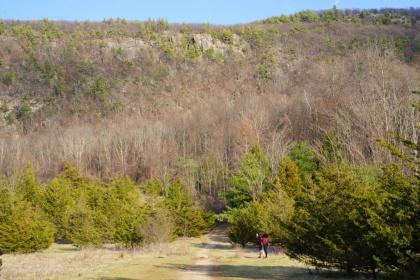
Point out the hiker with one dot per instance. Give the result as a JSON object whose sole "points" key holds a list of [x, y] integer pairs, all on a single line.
{"points": [[265, 243], [258, 240]]}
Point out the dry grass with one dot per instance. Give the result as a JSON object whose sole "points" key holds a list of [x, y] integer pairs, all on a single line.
{"points": [[67, 262], [209, 257]]}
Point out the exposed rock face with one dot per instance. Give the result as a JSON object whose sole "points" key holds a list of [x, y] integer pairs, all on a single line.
{"points": [[130, 46], [206, 41]]}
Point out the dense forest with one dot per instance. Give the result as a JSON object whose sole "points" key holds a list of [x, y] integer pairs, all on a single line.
{"points": [[112, 131]]}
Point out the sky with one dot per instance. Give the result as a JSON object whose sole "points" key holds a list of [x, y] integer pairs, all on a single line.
{"points": [[177, 11]]}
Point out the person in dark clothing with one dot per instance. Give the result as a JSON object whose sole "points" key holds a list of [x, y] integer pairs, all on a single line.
{"points": [[265, 242], [258, 241]]}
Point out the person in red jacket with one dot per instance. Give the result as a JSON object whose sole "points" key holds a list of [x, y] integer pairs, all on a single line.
{"points": [[265, 242], [258, 241]]}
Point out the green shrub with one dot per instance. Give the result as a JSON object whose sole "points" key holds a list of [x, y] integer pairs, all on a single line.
{"points": [[385, 19], [272, 209], [348, 220], [58, 203], [264, 71], [154, 187], [277, 19], [224, 35], [188, 218], [307, 16], [8, 78], [304, 157], [2, 28], [129, 210], [211, 54], [98, 90], [256, 38], [82, 231], [288, 178], [25, 230], [246, 222], [28, 186], [23, 112], [158, 228]]}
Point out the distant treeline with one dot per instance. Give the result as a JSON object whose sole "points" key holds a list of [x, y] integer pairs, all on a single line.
{"points": [[377, 16]]}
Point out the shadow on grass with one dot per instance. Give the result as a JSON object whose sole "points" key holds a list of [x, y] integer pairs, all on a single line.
{"points": [[244, 271], [259, 272], [214, 246], [116, 278]]}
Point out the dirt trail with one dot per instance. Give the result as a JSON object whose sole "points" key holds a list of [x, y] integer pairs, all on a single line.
{"points": [[204, 257]]}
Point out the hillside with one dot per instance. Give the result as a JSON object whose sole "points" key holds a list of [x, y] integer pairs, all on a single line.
{"points": [[148, 99], [296, 134]]}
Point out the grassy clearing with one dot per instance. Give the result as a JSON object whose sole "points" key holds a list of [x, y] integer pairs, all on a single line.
{"points": [[210, 255], [64, 261], [229, 262]]}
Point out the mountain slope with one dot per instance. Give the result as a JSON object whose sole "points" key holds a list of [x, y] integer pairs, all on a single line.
{"points": [[149, 99]]}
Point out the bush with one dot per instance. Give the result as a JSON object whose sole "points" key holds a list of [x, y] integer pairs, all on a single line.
{"points": [[2, 28], [88, 212], [98, 90], [226, 36], [347, 220], [158, 228], [58, 204], [307, 16], [129, 210], [305, 159], [385, 19], [277, 19], [25, 230], [188, 218], [82, 231], [264, 71], [265, 215], [8, 78], [246, 222], [211, 54], [28, 186]]}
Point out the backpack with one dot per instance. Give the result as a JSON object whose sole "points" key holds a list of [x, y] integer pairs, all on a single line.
{"points": [[265, 240]]}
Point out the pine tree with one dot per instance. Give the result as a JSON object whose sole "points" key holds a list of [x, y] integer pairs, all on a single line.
{"points": [[250, 179], [82, 231], [188, 218], [339, 223], [57, 203], [304, 157], [25, 230], [288, 177], [28, 186]]}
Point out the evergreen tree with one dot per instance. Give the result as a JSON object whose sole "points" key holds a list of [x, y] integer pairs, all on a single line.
{"points": [[188, 218], [347, 221], [129, 210], [28, 186], [58, 203], [250, 179], [402, 181], [246, 222], [288, 177], [82, 231], [25, 230], [304, 157]]}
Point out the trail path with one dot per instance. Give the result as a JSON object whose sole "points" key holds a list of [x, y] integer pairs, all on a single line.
{"points": [[203, 257]]}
